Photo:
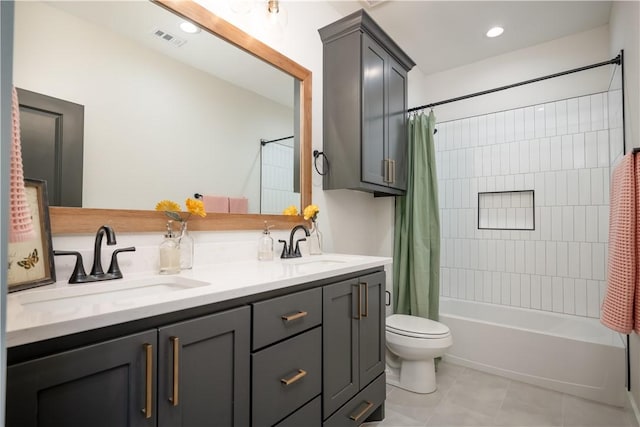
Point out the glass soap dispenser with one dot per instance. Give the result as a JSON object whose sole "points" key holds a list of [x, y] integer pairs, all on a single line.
{"points": [[169, 252], [265, 244]]}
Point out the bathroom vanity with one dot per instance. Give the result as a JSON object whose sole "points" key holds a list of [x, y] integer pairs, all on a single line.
{"points": [[287, 343]]}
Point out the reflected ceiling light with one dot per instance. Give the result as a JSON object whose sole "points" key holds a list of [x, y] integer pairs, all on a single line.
{"points": [[495, 32], [188, 27]]}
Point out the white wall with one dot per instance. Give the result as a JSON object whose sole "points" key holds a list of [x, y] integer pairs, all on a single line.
{"points": [[624, 24], [186, 130], [547, 58]]}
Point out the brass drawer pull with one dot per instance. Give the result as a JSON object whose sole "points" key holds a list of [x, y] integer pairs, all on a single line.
{"points": [[291, 317], [175, 398], [393, 171], [148, 398], [288, 381], [359, 302], [360, 414], [385, 166], [366, 300]]}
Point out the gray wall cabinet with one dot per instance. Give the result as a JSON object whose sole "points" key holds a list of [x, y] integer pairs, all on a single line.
{"points": [[353, 341], [312, 355], [364, 107]]}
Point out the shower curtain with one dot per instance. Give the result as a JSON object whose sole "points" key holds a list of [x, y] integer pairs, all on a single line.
{"points": [[416, 254]]}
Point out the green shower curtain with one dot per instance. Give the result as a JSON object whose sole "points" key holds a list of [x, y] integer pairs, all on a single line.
{"points": [[416, 253]]}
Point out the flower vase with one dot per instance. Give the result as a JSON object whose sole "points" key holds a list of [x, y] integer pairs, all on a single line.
{"points": [[185, 242], [315, 240]]}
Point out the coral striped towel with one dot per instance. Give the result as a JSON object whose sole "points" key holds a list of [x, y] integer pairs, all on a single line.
{"points": [[618, 305], [20, 224], [238, 205], [636, 326], [216, 204]]}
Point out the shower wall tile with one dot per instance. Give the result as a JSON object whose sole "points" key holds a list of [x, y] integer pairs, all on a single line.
{"points": [[557, 293], [561, 150]]}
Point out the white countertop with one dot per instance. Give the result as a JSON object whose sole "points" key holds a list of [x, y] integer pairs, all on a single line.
{"points": [[61, 309]]}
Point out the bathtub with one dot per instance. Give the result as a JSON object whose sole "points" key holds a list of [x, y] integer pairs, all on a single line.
{"points": [[570, 354]]}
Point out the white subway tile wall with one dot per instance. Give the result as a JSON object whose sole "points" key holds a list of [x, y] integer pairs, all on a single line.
{"points": [[562, 151], [277, 179]]}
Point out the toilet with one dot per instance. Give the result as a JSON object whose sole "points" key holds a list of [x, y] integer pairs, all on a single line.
{"points": [[412, 345]]}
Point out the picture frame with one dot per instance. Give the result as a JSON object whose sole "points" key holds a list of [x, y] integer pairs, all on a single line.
{"points": [[30, 263]]}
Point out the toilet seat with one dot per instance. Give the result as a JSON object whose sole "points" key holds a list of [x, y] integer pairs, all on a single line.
{"points": [[416, 327]]}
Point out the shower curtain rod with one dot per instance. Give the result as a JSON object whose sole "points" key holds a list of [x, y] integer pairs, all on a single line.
{"points": [[617, 60], [265, 142]]}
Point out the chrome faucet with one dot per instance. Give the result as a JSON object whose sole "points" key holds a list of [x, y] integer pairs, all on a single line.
{"points": [[290, 252], [97, 274]]}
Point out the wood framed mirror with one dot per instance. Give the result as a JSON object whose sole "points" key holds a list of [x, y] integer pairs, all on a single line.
{"points": [[66, 220]]}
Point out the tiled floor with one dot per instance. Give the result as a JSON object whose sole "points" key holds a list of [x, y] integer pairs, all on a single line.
{"points": [[466, 397]]}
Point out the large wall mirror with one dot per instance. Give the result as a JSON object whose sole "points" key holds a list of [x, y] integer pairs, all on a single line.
{"points": [[168, 114]]}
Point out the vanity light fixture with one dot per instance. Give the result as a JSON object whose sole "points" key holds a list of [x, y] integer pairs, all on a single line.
{"points": [[495, 32], [189, 28]]}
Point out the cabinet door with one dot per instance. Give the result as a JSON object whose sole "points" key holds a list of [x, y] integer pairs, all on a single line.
{"points": [[103, 385], [374, 123], [340, 344], [397, 141], [203, 371], [372, 329]]}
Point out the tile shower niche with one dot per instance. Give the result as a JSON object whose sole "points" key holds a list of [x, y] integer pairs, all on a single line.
{"points": [[506, 210]]}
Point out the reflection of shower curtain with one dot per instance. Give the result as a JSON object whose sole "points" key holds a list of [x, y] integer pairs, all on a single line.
{"points": [[416, 255], [276, 190]]}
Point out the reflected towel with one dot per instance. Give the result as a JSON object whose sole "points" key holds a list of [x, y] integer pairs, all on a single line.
{"points": [[20, 224], [216, 204], [617, 307], [238, 205]]}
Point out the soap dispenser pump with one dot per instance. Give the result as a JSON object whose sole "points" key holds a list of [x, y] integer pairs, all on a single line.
{"points": [[170, 252], [265, 244]]}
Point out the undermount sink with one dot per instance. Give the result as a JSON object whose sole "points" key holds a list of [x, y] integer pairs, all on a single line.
{"points": [[105, 292]]}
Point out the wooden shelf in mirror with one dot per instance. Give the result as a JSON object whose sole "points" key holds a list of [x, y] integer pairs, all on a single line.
{"points": [[81, 220]]}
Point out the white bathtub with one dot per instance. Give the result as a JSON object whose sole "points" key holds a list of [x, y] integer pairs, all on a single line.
{"points": [[570, 354]]}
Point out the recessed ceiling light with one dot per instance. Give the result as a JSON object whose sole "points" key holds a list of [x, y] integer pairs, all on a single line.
{"points": [[188, 27], [495, 32]]}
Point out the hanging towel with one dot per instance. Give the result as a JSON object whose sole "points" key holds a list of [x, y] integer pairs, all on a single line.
{"points": [[636, 325], [20, 224], [618, 305], [216, 204], [238, 205]]}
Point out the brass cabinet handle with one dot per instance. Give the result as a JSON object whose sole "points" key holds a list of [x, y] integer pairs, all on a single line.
{"points": [[385, 166], [288, 381], [359, 302], [291, 317], [175, 399], [366, 300], [361, 413], [148, 398], [393, 171]]}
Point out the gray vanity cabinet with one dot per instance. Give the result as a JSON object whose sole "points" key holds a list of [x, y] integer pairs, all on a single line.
{"points": [[353, 340], [102, 385], [203, 371], [364, 107]]}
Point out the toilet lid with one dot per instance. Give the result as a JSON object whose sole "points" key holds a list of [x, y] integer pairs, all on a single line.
{"points": [[414, 326]]}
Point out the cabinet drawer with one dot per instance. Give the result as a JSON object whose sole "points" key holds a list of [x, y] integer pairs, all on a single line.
{"points": [[358, 409], [282, 317], [310, 415], [285, 376]]}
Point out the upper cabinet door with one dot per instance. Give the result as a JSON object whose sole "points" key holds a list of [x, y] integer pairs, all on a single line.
{"points": [[374, 112], [102, 385], [398, 137], [203, 371]]}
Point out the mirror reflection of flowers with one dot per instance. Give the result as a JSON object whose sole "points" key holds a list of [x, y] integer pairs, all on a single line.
{"points": [[311, 213], [290, 210]]}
